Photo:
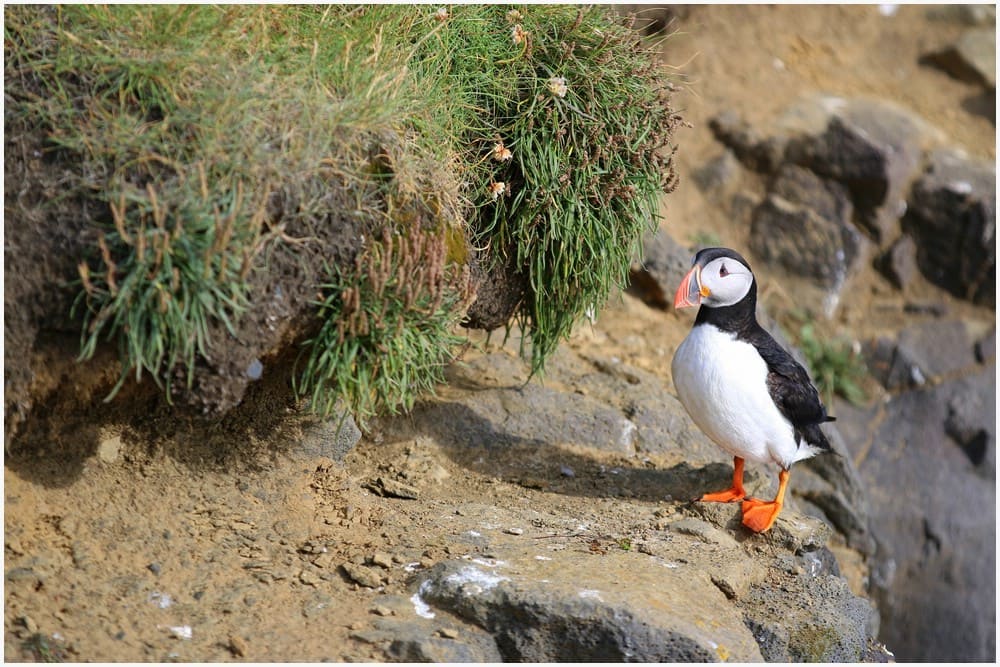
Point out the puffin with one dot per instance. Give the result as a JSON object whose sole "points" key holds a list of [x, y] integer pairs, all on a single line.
{"points": [[740, 387]]}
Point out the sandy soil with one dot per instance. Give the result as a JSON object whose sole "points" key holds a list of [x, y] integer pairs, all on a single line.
{"points": [[119, 556]]}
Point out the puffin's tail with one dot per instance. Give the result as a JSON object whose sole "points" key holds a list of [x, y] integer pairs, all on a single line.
{"points": [[814, 439]]}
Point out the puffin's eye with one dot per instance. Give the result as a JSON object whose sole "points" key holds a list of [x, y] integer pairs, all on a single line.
{"points": [[723, 272]]}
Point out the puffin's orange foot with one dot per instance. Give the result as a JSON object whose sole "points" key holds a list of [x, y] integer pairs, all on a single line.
{"points": [[759, 515], [733, 493], [727, 496]]}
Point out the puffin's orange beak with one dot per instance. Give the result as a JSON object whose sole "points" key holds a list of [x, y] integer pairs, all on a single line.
{"points": [[690, 291]]}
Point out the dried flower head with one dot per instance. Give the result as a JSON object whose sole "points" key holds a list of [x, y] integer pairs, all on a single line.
{"points": [[501, 153], [518, 34], [496, 189], [557, 86], [441, 14], [513, 16]]}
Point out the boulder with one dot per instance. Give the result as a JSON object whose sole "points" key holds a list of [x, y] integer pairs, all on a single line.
{"points": [[803, 226], [952, 217], [803, 242], [873, 149]]}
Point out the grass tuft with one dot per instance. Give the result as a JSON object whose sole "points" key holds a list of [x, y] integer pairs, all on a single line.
{"points": [[570, 142], [837, 367], [387, 327]]}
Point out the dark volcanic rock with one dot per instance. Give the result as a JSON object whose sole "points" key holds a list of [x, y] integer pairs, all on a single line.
{"points": [[804, 226], [757, 151], [872, 149], [829, 199], [784, 636], [803, 242], [922, 353], [899, 263], [952, 216], [660, 270]]}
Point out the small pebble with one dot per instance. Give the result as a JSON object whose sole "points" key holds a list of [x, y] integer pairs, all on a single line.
{"points": [[362, 575], [29, 623], [382, 559], [308, 578], [448, 633], [154, 568], [514, 531], [255, 370], [382, 610], [324, 560], [237, 646]]}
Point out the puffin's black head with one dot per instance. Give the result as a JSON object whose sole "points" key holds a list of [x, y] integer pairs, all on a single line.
{"points": [[719, 277]]}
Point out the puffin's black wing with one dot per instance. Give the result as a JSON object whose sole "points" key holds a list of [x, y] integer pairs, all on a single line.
{"points": [[791, 389]]}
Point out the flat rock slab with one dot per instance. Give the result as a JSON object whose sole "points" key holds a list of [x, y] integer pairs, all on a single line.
{"points": [[700, 589]]}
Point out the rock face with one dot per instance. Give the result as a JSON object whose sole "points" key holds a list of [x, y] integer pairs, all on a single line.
{"points": [[935, 560], [852, 181], [837, 170]]}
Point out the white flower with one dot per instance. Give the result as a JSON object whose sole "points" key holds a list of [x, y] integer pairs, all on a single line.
{"points": [[496, 189], [441, 14], [513, 16], [501, 153], [557, 86], [518, 34]]}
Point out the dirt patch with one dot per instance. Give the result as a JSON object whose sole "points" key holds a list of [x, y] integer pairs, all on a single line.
{"points": [[165, 540]]}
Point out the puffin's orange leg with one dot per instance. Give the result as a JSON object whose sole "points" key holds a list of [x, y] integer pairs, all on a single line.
{"points": [[732, 494], [759, 515]]}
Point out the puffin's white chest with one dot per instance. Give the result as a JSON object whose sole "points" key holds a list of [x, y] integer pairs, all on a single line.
{"points": [[722, 383]]}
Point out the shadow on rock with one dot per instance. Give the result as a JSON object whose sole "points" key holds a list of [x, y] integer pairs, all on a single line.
{"points": [[552, 463]]}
